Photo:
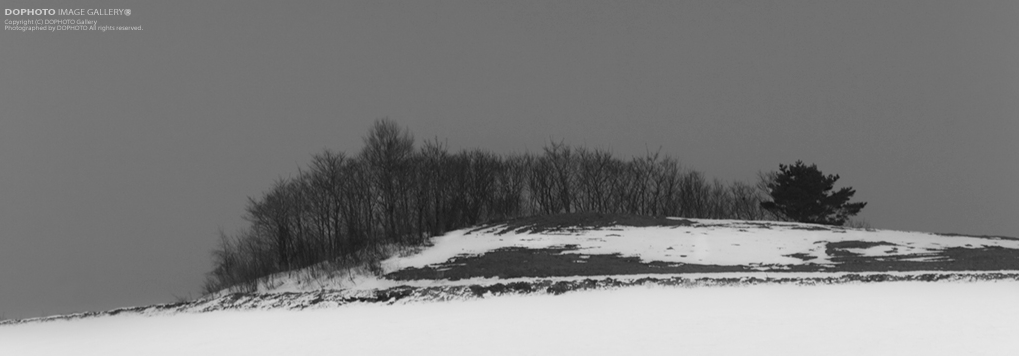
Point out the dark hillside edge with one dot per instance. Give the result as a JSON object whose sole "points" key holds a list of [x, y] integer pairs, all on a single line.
{"points": [[405, 294], [991, 237]]}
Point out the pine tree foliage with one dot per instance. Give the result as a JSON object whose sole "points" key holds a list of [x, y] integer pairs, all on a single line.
{"points": [[803, 193]]}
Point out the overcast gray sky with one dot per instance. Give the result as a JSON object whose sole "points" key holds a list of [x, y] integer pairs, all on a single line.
{"points": [[123, 153]]}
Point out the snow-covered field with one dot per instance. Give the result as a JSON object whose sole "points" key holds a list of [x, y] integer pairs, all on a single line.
{"points": [[902, 318], [971, 311]]}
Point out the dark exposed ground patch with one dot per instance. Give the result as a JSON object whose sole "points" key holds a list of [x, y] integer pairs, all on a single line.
{"points": [[760, 225], [838, 248], [802, 256], [810, 228], [951, 259], [516, 262], [578, 222]]}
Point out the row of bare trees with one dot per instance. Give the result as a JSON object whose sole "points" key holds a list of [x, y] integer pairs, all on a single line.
{"points": [[344, 208]]}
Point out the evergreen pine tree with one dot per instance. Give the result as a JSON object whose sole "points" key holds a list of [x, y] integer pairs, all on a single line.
{"points": [[802, 193]]}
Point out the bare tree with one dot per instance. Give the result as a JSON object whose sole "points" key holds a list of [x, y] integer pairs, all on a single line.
{"points": [[345, 208], [387, 152]]}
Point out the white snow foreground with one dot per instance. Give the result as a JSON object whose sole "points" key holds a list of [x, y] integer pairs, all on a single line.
{"points": [[899, 318], [705, 242]]}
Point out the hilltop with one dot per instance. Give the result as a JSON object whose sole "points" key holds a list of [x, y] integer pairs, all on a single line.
{"points": [[557, 254]]}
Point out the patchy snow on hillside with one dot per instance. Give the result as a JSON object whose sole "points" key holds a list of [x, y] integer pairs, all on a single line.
{"points": [[714, 242], [900, 318], [969, 312], [704, 242]]}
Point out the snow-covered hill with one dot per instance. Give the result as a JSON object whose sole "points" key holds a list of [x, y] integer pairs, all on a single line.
{"points": [[636, 285], [664, 248]]}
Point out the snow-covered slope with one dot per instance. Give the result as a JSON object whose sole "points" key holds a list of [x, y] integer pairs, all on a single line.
{"points": [[688, 247], [709, 242], [631, 293], [902, 318]]}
